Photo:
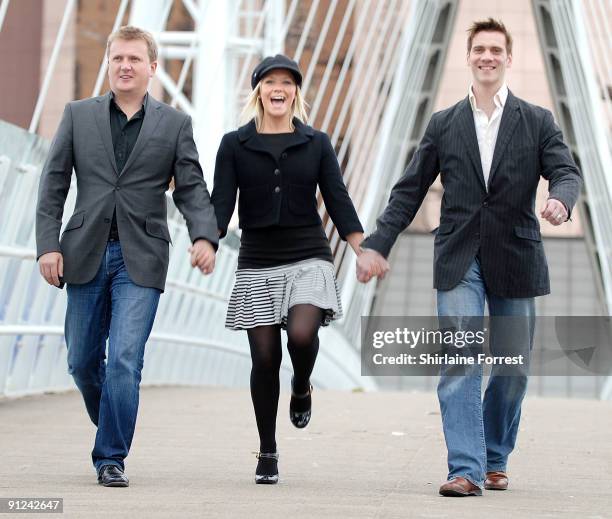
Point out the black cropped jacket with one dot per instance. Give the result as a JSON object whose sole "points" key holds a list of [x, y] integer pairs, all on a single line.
{"points": [[280, 191]]}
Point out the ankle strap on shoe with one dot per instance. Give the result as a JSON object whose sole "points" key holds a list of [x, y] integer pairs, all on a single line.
{"points": [[268, 455], [303, 395]]}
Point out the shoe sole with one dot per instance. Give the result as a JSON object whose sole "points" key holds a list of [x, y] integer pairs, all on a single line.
{"points": [[487, 487], [117, 484], [266, 480], [455, 493]]}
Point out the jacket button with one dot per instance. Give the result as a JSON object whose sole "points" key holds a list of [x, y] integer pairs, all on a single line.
{"points": [[485, 204], [277, 189], [117, 188], [106, 220], [277, 171], [283, 156]]}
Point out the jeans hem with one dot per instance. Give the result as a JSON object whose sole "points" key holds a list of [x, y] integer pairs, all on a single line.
{"points": [[471, 480]]}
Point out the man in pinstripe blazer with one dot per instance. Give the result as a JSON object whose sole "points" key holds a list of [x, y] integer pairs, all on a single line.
{"points": [[490, 149]]}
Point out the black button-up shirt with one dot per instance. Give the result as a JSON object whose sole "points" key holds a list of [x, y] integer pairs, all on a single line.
{"points": [[124, 133]]}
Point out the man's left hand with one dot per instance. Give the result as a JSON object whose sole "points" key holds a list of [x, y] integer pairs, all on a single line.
{"points": [[202, 256], [554, 212]]}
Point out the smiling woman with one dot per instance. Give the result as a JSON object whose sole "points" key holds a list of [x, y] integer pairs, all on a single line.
{"points": [[277, 93], [276, 96], [286, 276]]}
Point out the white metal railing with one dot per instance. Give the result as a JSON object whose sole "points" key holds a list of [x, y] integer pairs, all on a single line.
{"points": [[3, 9], [189, 343], [577, 41], [46, 83], [387, 148]]}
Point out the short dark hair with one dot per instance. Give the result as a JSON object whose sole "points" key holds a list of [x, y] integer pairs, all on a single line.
{"points": [[489, 24]]}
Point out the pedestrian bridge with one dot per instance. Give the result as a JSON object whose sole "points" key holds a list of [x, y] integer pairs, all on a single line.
{"points": [[366, 453], [394, 47]]}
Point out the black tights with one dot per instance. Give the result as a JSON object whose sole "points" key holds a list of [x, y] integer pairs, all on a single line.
{"points": [[303, 324]]}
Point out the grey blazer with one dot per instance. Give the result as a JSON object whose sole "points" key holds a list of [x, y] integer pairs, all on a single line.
{"points": [[164, 150], [497, 221]]}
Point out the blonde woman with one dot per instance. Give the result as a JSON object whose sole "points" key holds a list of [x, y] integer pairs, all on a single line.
{"points": [[285, 277]]}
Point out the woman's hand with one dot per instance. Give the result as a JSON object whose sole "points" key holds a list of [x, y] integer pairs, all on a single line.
{"points": [[354, 239]]}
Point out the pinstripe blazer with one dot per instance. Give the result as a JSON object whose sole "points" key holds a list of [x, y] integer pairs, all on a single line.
{"points": [[496, 221]]}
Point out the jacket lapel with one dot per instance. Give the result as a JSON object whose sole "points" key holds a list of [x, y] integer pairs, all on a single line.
{"points": [[103, 122], [151, 119], [468, 134], [509, 120]]}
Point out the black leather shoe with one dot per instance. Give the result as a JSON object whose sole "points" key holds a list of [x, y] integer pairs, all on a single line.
{"points": [[300, 418], [112, 476], [267, 468]]}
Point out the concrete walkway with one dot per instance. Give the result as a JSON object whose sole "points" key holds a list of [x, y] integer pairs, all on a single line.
{"points": [[374, 455]]}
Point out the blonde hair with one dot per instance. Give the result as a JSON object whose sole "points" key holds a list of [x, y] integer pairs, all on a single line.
{"points": [[253, 108], [128, 33]]}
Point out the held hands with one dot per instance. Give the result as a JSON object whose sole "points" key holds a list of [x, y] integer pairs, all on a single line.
{"points": [[202, 256], [369, 264], [554, 212], [51, 266]]}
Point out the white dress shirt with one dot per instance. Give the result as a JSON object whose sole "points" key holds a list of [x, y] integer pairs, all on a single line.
{"points": [[487, 129]]}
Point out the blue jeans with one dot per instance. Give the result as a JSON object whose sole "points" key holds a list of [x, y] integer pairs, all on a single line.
{"points": [[111, 307], [481, 433]]}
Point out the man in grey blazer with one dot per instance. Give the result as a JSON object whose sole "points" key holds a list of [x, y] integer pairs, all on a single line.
{"points": [[125, 148], [490, 150]]}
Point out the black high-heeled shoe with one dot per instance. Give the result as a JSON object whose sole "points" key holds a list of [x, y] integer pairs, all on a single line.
{"points": [[300, 418], [266, 472]]}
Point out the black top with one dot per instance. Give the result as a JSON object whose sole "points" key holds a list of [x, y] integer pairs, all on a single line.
{"points": [[124, 134], [280, 190], [276, 143], [274, 246], [278, 245]]}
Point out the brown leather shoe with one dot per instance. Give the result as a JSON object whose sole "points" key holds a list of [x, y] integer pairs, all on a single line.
{"points": [[460, 487], [496, 480]]}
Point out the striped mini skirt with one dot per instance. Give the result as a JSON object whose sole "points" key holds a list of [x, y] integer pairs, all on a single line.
{"points": [[263, 296]]}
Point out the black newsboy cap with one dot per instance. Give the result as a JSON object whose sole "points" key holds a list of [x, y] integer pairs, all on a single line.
{"points": [[273, 62]]}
